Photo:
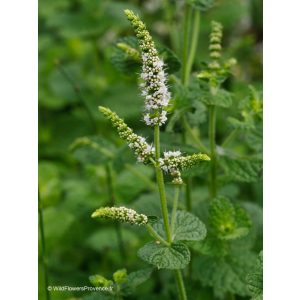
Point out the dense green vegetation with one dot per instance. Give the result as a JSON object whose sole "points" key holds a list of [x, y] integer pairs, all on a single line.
{"points": [[89, 57]]}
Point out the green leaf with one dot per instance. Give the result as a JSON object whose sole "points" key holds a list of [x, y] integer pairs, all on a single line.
{"points": [[174, 257], [255, 280], [222, 98], [224, 274], [202, 5], [228, 221], [241, 169], [187, 227], [134, 279]]}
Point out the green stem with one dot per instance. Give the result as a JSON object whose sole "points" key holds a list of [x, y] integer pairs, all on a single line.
{"points": [[188, 197], [194, 41], [170, 25], [155, 235], [175, 205], [212, 141], [43, 246], [112, 202], [180, 285], [161, 185], [230, 138], [186, 31], [164, 209]]}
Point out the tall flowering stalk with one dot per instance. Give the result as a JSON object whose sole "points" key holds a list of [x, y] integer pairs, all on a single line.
{"points": [[157, 97], [154, 87]]}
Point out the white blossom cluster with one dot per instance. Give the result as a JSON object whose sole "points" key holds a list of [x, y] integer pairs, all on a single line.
{"points": [[154, 87], [122, 214], [140, 147], [173, 162], [138, 144]]}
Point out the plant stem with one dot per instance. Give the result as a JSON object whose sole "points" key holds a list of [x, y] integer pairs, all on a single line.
{"points": [[180, 285], [43, 246], [230, 137], [112, 200], [194, 41], [188, 198], [186, 31], [164, 208], [169, 21], [161, 185], [212, 141], [175, 205], [154, 234]]}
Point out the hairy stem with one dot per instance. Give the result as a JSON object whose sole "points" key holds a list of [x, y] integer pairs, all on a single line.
{"points": [[43, 247], [155, 235], [161, 185], [175, 205], [112, 202], [180, 285], [164, 208], [212, 142]]}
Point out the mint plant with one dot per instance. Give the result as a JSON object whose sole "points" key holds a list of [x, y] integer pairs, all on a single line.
{"points": [[215, 243]]}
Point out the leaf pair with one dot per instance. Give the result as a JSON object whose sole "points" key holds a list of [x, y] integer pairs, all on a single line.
{"points": [[187, 227]]}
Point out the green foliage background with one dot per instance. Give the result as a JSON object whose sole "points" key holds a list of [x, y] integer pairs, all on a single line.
{"points": [[80, 68]]}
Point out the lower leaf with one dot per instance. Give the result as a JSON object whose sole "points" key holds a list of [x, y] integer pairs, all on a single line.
{"points": [[174, 257]]}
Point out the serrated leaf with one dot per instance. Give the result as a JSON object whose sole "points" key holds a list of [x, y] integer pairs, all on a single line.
{"points": [[222, 98], [255, 280], [187, 227], [228, 221], [224, 274], [241, 169], [174, 257], [202, 5]]}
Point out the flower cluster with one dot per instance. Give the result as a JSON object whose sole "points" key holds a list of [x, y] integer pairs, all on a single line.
{"points": [[154, 87], [138, 144], [216, 71], [173, 162], [215, 44], [122, 214]]}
